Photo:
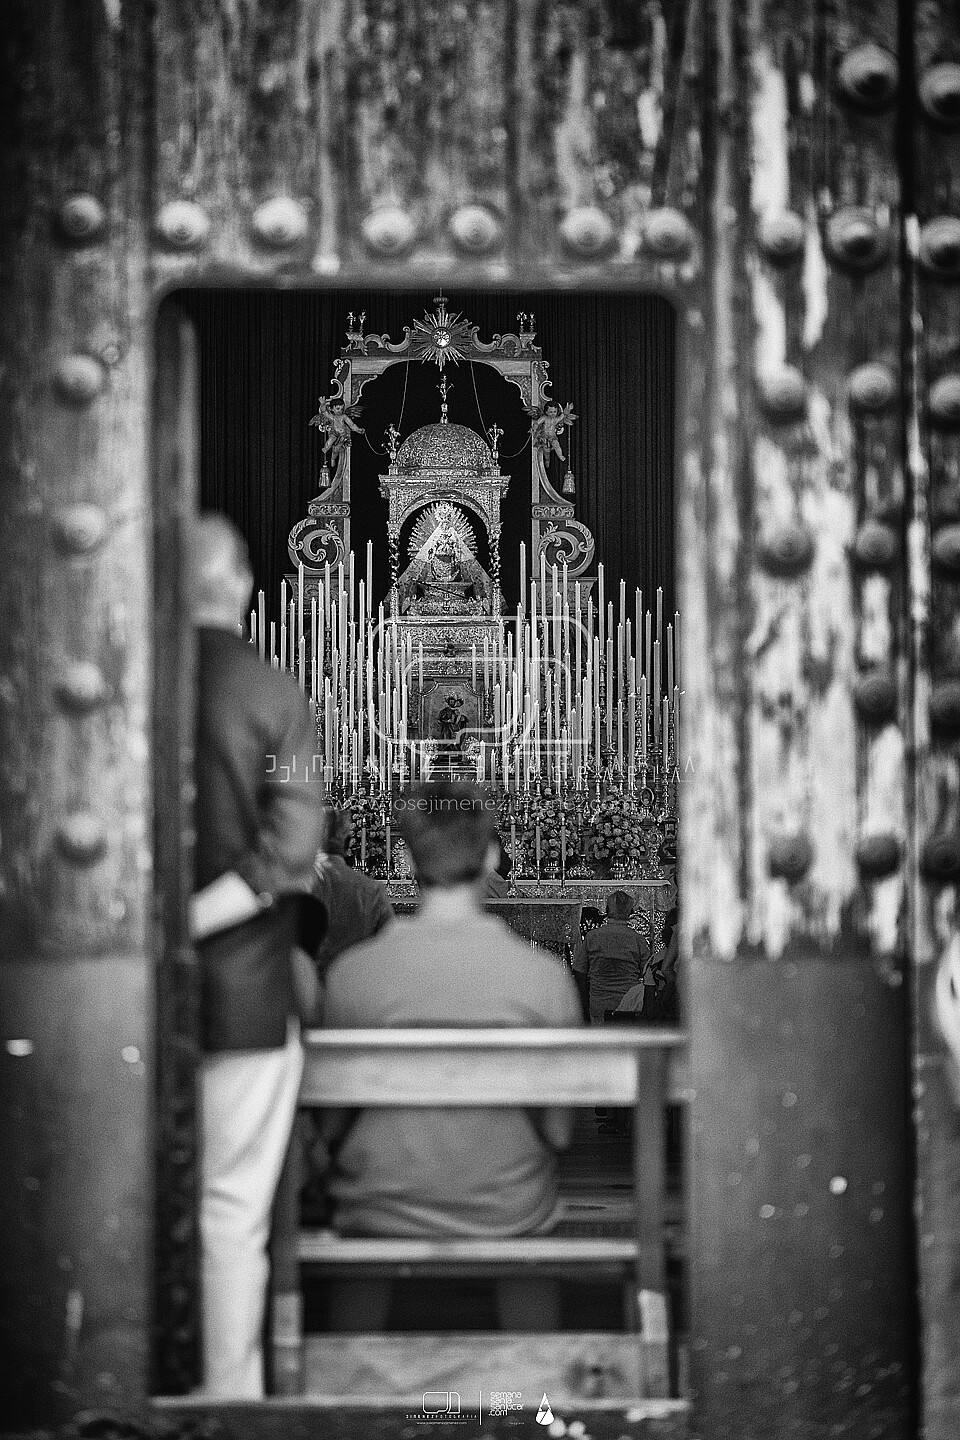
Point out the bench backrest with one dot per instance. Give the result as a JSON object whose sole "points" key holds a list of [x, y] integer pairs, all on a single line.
{"points": [[480, 1067]]}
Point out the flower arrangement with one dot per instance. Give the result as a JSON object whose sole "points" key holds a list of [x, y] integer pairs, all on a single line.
{"points": [[616, 833], [547, 812], [365, 809]]}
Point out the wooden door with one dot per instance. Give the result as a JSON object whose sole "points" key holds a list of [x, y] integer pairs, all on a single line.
{"points": [[758, 164]]}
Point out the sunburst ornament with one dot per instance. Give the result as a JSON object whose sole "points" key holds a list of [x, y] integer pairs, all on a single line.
{"points": [[440, 336], [441, 516]]}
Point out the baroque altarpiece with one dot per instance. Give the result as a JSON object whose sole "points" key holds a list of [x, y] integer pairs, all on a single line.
{"points": [[565, 708]]}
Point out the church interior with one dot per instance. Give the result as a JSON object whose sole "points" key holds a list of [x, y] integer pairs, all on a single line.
{"points": [[481, 496], [429, 576]]}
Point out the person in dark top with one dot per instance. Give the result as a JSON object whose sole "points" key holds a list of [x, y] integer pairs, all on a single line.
{"points": [[613, 957], [357, 905], [258, 824], [613, 960], [665, 1008], [496, 883]]}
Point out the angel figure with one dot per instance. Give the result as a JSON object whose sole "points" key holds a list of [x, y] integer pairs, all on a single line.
{"points": [[336, 420], [549, 423]]}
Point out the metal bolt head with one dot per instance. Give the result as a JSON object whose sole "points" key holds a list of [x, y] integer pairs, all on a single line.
{"points": [[876, 546], [475, 230], [875, 696], [587, 231], [668, 234], [944, 402], [182, 225], [945, 709], [940, 94], [868, 76], [81, 687], [783, 393], [279, 223], [945, 550], [878, 855], [940, 858], [786, 550], [872, 388], [78, 379], [388, 231], [781, 238], [940, 247], [789, 857], [81, 838], [82, 219], [855, 240], [79, 529]]}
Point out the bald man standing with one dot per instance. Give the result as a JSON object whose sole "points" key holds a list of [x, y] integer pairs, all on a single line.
{"points": [[258, 827]]}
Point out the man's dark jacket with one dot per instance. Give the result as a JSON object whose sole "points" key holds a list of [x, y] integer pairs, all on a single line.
{"points": [[258, 812], [357, 905]]}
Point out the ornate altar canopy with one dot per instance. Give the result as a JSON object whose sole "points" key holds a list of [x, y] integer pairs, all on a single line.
{"points": [[566, 710]]}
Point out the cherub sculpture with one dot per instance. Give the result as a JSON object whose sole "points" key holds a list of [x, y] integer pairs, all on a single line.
{"points": [[336, 420], [549, 422]]}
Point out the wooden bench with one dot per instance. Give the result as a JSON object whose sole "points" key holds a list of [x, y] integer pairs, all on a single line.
{"points": [[616, 1066]]}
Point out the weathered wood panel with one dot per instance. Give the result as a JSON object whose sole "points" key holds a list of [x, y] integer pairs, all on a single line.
{"points": [[307, 142], [795, 810], [175, 1251], [934, 453], [802, 1260], [75, 856]]}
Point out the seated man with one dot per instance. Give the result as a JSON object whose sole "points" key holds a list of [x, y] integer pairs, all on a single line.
{"points": [[469, 1172], [357, 905], [496, 884]]}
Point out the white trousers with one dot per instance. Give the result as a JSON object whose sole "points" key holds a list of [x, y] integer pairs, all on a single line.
{"points": [[248, 1100]]}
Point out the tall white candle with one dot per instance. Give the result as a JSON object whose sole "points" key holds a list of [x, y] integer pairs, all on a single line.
{"points": [[601, 614], [656, 689], [631, 716], [643, 719]]}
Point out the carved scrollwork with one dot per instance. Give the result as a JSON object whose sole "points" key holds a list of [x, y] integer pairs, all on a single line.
{"points": [[524, 385], [322, 509], [317, 542], [567, 542], [544, 480]]}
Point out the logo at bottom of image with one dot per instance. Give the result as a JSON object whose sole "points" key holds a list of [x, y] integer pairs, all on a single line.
{"points": [[441, 1407], [445, 1407]]}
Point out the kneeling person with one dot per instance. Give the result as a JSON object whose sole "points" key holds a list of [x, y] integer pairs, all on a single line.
{"points": [[454, 1172]]}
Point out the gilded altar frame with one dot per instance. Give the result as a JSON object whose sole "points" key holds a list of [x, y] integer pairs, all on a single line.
{"points": [[554, 531]]}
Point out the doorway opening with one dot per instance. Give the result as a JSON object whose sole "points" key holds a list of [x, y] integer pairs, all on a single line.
{"points": [[545, 448]]}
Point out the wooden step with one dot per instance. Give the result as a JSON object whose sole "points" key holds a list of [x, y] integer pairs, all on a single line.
{"points": [[367, 1418], [459, 1372]]}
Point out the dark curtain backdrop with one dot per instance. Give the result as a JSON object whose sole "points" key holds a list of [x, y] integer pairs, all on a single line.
{"points": [[265, 357]]}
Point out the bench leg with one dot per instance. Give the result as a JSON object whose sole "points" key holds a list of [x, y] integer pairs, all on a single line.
{"points": [[650, 1177]]}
